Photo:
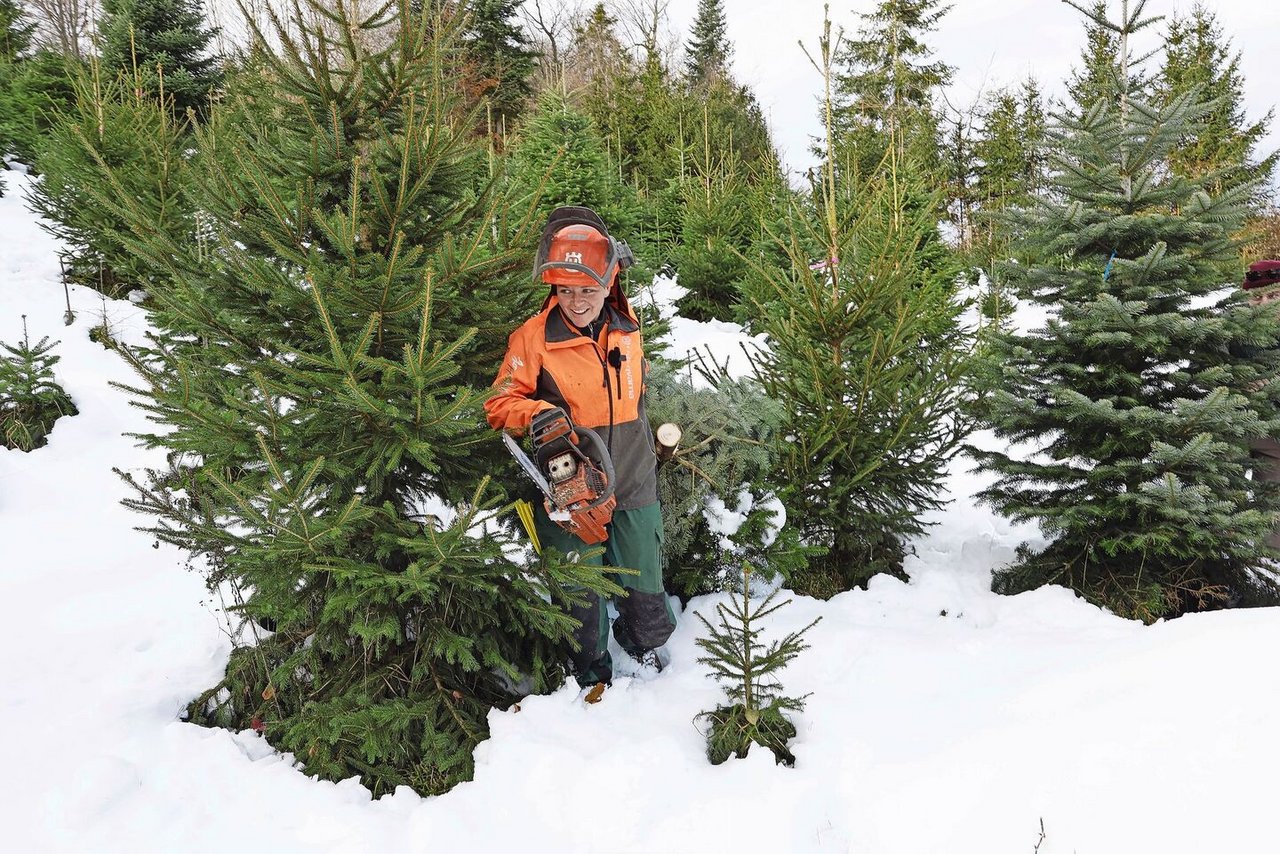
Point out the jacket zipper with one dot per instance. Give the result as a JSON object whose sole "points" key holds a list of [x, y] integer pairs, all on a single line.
{"points": [[608, 390]]}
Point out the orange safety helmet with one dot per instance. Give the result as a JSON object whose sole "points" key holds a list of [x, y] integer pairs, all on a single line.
{"points": [[1262, 274], [576, 249]]}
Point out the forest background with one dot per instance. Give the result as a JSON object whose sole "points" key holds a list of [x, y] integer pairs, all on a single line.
{"points": [[330, 223]]}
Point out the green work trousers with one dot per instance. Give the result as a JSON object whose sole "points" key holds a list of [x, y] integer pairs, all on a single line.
{"points": [[645, 620]]}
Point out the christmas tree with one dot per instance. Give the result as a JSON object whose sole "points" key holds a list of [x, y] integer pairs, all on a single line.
{"points": [[107, 126], [560, 158], [33, 84], [724, 465], [885, 86], [747, 669], [1198, 55], [719, 222], [326, 344], [499, 57], [708, 49], [867, 357], [1130, 416], [30, 398], [162, 48]]}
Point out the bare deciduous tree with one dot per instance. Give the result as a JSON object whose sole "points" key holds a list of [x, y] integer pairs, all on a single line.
{"points": [[64, 26], [550, 22], [647, 26]]}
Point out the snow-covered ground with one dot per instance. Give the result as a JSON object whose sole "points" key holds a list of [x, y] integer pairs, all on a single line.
{"points": [[942, 718]]}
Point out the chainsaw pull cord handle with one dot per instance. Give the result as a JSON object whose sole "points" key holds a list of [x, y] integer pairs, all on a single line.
{"points": [[605, 460]]}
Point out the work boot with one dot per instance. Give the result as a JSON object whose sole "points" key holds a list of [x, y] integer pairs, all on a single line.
{"points": [[650, 660]]}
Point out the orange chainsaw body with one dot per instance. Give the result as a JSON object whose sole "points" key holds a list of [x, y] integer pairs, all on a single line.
{"points": [[578, 483]]}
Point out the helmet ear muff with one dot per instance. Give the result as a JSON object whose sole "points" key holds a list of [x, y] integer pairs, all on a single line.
{"points": [[622, 252]]}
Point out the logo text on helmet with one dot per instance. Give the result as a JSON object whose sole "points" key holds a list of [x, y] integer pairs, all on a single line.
{"points": [[573, 257]]}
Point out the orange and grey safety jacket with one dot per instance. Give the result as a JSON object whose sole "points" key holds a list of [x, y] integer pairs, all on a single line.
{"points": [[600, 383]]}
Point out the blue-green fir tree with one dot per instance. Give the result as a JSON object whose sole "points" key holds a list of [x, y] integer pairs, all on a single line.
{"points": [[728, 453], [1129, 417], [162, 48]]}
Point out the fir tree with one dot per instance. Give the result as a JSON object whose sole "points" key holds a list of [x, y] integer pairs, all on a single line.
{"points": [[501, 56], [1011, 148], [1137, 412], [635, 105], [884, 87], [719, 222], [596, 61], [728, 164], [1197, 55], [655, 126], [161, 46], [15, 39], [1100, 74], [108, 126], [649, 132], [560, 158], [1012, 167], [747, 670], [958, 172], [866, 356], [36, 90], [325, 348], [737, 128], [708, 49], [15, 31], [30, 398], [33, 85]]}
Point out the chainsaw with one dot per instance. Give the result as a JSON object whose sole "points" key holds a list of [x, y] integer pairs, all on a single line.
{"points": [[577, 485]]}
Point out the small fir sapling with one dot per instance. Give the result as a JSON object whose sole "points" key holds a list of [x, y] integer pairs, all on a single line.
{"points": [[746, 669], [30, 399]]}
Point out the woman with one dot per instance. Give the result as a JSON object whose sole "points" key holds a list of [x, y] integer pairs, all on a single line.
{"points": [[582, 354]]}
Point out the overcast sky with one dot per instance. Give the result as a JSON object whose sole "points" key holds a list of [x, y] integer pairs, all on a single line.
{"points": [[992, 43]]}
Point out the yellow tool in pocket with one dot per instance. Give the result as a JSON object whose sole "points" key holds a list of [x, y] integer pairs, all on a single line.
{"points": [[524, 510]]}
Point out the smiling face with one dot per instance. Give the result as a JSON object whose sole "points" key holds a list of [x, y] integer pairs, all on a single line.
{"points": [[582, 304]]}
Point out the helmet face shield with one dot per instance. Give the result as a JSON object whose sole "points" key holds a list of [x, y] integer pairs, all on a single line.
{"points": [[576, 249], [578, 255]]}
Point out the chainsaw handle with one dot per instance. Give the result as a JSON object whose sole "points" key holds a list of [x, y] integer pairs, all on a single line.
{"points": [[604, 458]]}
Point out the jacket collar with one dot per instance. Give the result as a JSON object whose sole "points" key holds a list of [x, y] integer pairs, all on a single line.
{"points": [[558, 330]]}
